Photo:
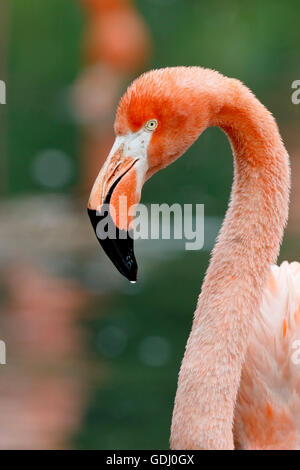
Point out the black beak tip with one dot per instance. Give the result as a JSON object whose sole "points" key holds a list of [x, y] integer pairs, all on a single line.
{"points": [[126, 264], [118, 248], [132, 275]]}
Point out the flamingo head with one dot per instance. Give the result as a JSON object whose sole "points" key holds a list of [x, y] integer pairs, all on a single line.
{"points": [[158, 118]]}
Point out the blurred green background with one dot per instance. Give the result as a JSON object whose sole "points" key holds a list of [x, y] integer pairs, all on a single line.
{"points": [[134, 336]]}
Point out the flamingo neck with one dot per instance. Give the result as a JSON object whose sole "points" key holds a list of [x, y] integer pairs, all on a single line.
{"points": [[247, 245]]}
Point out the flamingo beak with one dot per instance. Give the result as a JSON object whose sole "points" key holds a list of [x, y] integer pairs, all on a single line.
{"points": [[113, 195]]}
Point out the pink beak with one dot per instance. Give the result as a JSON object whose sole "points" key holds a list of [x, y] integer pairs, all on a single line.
{"points": [[113, 193]]}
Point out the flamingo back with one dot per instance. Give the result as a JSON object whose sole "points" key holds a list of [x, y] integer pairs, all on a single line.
{"points": [[267, 413]]}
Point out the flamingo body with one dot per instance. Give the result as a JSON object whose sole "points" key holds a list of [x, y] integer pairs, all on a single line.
{"points": [[237, 380], [267, 414]]}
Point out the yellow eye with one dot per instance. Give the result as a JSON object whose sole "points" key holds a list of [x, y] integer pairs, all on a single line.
{"points": [[151, 125]]}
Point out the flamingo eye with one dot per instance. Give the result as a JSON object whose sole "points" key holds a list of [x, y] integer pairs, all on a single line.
{"points": [[151, 125]]}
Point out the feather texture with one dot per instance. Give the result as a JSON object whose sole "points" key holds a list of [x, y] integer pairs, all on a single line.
{"points": [[267, 414]]}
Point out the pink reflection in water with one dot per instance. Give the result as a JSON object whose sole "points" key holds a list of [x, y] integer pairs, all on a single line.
{"points": [[42, 398], [42, 312], [38, 412]]}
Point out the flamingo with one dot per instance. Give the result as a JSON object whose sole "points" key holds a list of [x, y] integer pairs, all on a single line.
{"points": [[238, 387], [116, 44]]}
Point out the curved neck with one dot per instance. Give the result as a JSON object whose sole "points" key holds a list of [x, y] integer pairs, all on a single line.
{"points": [[248, 243], [252, 230]]}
